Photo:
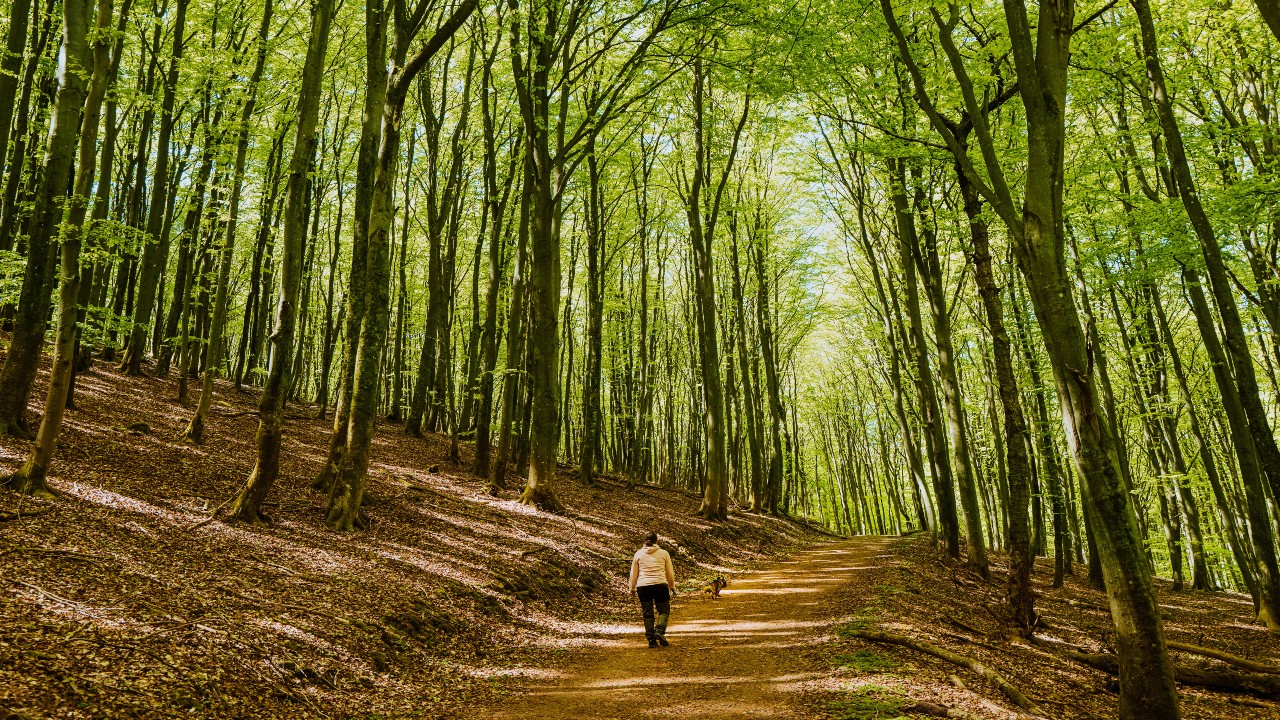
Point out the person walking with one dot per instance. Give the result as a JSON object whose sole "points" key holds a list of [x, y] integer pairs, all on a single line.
{"points": [[654, 581]]}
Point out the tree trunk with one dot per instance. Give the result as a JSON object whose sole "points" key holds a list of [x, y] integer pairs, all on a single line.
{"points": [[155, 252], [213, 363], [347, 491], [595, 238], [1019, 593], [59, 159], [926, 261], [357, 282], [247, 506], [943, 484]]}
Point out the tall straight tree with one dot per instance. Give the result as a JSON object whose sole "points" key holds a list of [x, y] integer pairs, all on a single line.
{"points": [[703, 195], [155, 253], [248, 504], [1037, 229], [375, 90], [347, 492], [545, 62], [66, 129], [213, 364]]}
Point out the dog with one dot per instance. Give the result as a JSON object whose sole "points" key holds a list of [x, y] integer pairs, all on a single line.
{"points": [[712, 591]]}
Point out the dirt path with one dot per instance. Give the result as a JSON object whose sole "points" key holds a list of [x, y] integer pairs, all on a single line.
{"points": [[737, 657]]}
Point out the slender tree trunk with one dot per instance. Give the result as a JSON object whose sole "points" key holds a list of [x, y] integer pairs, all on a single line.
{"points": [[926, 260], [1019, 593], [10, 68], [943, 483], [155, 252], [595, 240], [357, 282], [67, 130], [402, 299], [248, 505], [213, 363]]}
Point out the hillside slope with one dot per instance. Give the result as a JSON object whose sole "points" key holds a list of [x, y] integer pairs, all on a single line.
{"points": [[118, 600]]}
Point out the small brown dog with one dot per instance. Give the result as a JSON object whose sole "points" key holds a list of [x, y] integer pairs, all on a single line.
{"points": [[713, 590]]}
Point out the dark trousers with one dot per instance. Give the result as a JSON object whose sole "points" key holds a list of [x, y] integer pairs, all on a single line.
{"points": [[651, 597]]}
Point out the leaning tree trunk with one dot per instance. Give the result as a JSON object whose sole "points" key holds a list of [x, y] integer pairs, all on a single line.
{"points": [[10, 65], [1018, 593], [247, 506], [1234, 339], [931, 413], [1147, 688], [32, 478], [18, 373], [1226, 513], [1266, 567]]}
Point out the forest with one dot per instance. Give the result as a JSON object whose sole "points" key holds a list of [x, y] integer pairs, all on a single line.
{"points": [[1000, 279]]}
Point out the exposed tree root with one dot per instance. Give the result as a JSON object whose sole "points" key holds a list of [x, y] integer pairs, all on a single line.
{"points": [[244, 511], [28, 483], [194, 433], [990, 675], [1267, 686], [543, 499], [16, 427]]}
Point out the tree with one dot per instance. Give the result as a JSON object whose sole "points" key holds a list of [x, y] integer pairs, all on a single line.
{"points": [[271, 408]]}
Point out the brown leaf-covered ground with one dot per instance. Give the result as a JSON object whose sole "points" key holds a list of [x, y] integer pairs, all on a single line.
{"points": [[915, 591], [114, 604]]}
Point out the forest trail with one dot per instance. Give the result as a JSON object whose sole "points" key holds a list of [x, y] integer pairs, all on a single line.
{"points": [[736, 657]]}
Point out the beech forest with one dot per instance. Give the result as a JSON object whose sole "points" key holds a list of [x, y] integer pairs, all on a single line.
{"points": [[350, 350]]}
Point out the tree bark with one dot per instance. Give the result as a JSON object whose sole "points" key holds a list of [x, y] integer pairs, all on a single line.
{"points": [[155, 251], [51, 202], [213, 363], [247, 506]]}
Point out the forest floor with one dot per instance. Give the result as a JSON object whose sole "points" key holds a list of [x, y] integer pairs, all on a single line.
{"points": [[119, 600]]}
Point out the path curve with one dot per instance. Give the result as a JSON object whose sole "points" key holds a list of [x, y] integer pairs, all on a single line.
{"points": [[732, 658]]}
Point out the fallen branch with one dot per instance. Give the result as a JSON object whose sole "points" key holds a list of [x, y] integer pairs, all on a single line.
{"points": [[6, 515], [247, 413], [1224, 656], [213, 516], [56, 552], [1267, 686], [935, 710], [46, 593], [963, 661], [964, 626]]}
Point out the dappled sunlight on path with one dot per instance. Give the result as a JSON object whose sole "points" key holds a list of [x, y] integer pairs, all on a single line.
{"points": [[736, 657]]}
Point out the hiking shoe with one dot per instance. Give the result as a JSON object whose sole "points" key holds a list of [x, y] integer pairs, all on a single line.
{"points": [[653, 643], [662, 640]]}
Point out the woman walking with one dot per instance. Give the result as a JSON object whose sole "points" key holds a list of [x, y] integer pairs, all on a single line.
{"points": [[654, 581]]}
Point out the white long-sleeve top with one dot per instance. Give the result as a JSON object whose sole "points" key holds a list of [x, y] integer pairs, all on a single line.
{"points": [[652, 566]]}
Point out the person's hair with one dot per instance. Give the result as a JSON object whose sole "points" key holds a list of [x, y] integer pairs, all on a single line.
{"points": [[651, 539]]}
